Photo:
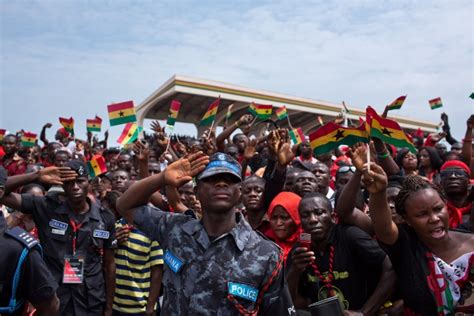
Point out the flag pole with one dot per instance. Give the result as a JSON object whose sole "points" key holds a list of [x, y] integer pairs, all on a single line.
{"points": [[368, 156], [289, 123]]}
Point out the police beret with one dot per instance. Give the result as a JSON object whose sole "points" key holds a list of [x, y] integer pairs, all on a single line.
{"points": [[78, 166], [221, 163]]}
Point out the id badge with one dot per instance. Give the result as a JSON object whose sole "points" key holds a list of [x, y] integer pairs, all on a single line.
{"points": [[73, 270]]}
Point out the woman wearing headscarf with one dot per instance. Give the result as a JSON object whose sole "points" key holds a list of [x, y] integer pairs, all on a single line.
{"points": [[285, 223]]}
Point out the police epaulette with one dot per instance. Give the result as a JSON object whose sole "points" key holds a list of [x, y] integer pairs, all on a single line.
{"points": [[22, 236]]}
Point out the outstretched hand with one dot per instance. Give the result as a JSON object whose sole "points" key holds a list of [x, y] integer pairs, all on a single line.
{"points": [[56, 175], [249, 151], [184, 169], [375, 180], [141, 150], [358, 154]]}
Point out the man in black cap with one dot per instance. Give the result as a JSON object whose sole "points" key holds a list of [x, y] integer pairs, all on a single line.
{"points": [[77, 236], [21, 256], [218, 264]]}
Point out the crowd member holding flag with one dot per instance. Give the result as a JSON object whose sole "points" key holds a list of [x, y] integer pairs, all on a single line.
{"points": [[433, 264]]}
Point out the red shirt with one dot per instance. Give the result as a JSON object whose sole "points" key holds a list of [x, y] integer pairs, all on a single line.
{"points": [[14, 166]]}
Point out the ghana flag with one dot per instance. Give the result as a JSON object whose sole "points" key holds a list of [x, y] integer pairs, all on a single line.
{"points": [[174, 110], [387, 130], [211, 113], [261, 111], [281, 113], [2, 134], [297, 135], [397, 104], [129, 134], [94, 125], [331, 135], [97, 166], [28, 139], [121, 113], [435, 103], [68, 124]]}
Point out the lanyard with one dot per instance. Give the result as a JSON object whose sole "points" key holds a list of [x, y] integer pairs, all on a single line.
{"points": [[330, 276], [75, 230]]}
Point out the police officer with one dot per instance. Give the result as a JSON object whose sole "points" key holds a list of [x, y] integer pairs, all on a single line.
{"points": [[23, 273], [77, 237], [217, 265]]}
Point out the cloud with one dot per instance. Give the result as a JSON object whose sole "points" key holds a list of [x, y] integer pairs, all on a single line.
{"points": [[73, 58]]}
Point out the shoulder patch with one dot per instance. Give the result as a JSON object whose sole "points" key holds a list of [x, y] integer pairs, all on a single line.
{"points": [[22, 236]]}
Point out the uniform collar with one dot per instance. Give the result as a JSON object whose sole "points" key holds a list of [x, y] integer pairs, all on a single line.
{"points": [[94, 210], [240, 233]]}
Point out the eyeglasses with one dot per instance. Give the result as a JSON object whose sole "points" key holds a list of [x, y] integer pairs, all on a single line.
{"points": [[345, 169], [458, 173]]}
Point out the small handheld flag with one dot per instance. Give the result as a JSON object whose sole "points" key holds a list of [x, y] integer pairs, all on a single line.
{"points": [[68, 124], [331, 135], [28, 139], [129, 134], [297, 135], [121, 113], [435, 103], [261, 111], [387, 130], [97, 166], [281, 113], [174, 110], [2, 134], [94, 125], [397, 103], [211, 113]]}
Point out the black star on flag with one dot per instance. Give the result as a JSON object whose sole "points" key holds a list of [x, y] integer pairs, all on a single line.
{"points": [[121, 113], [386, 132], [339, 134]]}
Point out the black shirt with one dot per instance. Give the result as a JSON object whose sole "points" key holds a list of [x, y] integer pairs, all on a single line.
{"points": [[36, 284], [358, 261], [52, 218]]}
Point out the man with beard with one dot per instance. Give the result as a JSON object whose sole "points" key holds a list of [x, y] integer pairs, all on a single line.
{"points": [[77, 236], [455, 182], [217, 264], [11, 161], [341, 260]]}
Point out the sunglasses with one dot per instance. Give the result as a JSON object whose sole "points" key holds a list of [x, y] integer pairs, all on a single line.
{"points": [[458, 173], [345, 169]]}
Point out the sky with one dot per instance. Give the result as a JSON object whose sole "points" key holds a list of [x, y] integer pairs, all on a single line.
{"points": [[72, 58]]}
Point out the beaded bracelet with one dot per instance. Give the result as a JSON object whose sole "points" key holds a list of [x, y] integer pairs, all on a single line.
{"points": [[383, 155]]}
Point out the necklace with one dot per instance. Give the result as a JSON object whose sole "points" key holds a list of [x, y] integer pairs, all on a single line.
{"points": [[327, 280]]}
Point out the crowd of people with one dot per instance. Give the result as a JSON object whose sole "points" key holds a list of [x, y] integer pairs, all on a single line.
{"points": [[236, 224]]}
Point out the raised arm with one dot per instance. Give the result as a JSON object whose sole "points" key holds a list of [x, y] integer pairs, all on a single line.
{"points": [[467, 144], [176, 174], [385, 159], [346, 203], [50, 175], [375, 181], [43, 133], [220, 140], [142, 153]]}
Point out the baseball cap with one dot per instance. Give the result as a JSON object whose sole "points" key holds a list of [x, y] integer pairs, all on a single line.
{"points": [[3, 176], [221, 163], [78, 166]]}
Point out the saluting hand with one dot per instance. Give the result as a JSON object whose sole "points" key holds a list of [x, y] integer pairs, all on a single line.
{"points": [[56, 175], [184, 169], [375, 180]]}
